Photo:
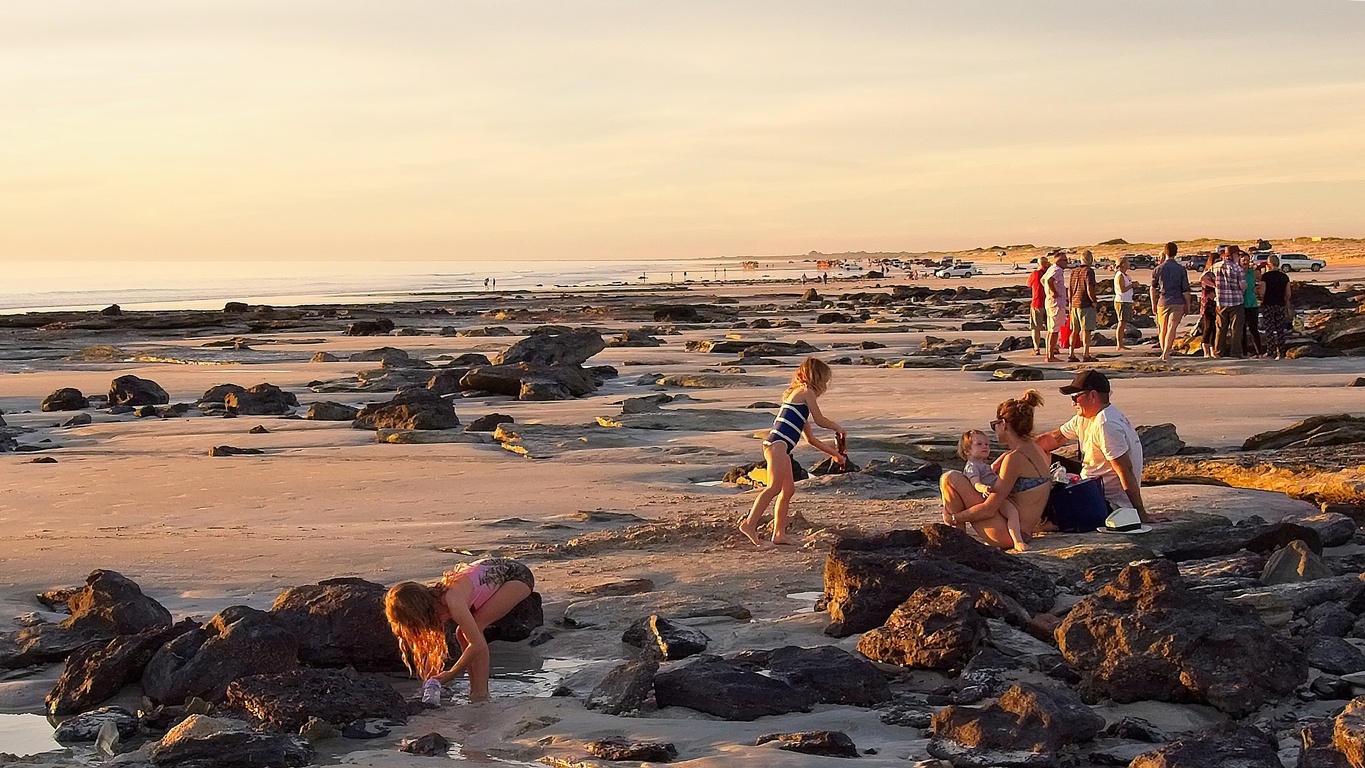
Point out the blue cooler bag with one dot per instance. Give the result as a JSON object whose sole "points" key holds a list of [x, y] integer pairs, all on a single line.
{"points": [[1078, 508]]}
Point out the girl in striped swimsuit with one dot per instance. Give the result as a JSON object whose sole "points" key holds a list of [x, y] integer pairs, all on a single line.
{"points": [[799, 409]]}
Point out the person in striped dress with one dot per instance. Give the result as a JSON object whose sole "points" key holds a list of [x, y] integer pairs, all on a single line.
{"points": [[799, 410]]}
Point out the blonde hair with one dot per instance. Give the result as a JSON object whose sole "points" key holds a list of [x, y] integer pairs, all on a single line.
{"points": [[964, 443], [813, 375], [414, 614], [1018, 413]]}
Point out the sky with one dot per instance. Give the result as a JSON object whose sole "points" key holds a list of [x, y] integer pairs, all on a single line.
{"points": [[517, 129]]}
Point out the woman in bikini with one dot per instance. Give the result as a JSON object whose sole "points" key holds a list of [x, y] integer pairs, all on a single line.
{"points": [[1024, 482], [473, 595], [799, 410]]}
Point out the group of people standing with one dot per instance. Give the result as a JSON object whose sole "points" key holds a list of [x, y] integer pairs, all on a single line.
{"points": [[1245, 306]]}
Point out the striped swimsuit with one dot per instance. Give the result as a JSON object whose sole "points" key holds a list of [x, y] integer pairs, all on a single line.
{"points": [[788, 426]]}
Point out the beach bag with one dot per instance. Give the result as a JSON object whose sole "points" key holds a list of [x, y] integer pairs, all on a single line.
{"points": [[1078, 507]]}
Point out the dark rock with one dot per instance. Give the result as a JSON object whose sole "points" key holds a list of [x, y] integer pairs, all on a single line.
{"points": [[1311, 350], [678, 313], [286, 700], [428, 745], [258, 430], [339, 623], [822, 743], [1333, 655], [327, 410], [625, 688], [510, 380], [110, 601], [826, 674], [1227, 745], [65, 399], [1019, 373], [726, 689], [1026, 727], [113, 310], [79, 420], [1160, 440], [323, 357], [489, 422], [1312, 432], [85, 728], [387, 357], [1318, 750], [634, 339], [447, 381], [810, 295], [982, 325], [664, 639], [204, 742], [378, 327], [364, 728], [554, 346], [202, 662], [638, 751], [1294, 563], [1333, 528], [98, 671], [935, 628], [235, 308], [229, 450], [519, 623], [1332, 688], [1346, 334], [134, 391], [1134, 729], [867, 579], [826, 318], [1220, 541], [261, 400], [43, 460], [409, 409], [1145, 635], [218, 393]]}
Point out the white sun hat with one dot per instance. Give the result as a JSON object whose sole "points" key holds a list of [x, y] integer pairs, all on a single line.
{"points": [[1124, 520]]}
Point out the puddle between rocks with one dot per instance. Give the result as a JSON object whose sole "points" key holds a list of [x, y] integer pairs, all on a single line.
{"points": [[26, 735], [458, 752], [810, 598], [520, 672]]}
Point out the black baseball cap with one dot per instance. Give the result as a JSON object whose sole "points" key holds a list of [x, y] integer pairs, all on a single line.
{"points": [[1088, 380]]}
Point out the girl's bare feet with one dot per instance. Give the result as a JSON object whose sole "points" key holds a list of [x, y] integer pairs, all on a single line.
{"points": [[787, 540], [751, 533]]}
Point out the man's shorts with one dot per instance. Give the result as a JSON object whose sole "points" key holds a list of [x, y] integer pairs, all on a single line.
{"points": [[1037, 319], [1056, 316], [1176, 311], [1124, 310], [1083, 318]]}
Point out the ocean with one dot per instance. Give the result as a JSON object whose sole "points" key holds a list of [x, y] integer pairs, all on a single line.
{"points": [[30, 286]]}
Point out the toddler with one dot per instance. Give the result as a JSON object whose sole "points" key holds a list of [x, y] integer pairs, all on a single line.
{"points": [[974, 447]]}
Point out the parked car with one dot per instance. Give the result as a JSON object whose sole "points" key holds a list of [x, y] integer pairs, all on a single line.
{"points": [[1141, 260], [1298, 262], [960, 269]]}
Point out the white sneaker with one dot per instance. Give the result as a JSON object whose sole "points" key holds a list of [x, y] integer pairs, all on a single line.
{"points": [[431, 692]]}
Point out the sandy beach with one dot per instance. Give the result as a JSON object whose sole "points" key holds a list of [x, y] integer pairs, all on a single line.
{"points": [[586, 505]]}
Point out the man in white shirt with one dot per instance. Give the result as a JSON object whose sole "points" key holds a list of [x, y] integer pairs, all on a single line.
{"points": [[1110, 448], [1054, 287]]}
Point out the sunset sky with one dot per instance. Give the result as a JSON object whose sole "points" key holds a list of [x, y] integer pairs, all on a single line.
{"points": [[437, 129]]}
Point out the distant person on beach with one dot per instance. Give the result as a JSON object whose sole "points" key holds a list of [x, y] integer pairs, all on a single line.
{"points": [[473, 596], [1054, 286], [1170, 298], [1252, 343], [1276, 308], [1208, 308], [1083, 291], [1110, 448], [799, 410], [1229, 281], [1037, 312], [1123, 303], [1020, 492]]}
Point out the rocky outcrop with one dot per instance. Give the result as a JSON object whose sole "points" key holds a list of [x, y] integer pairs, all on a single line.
{"points": [[65, 399], [110, 604], [867, 579], [1227, 745], [663, 639], [134, 391], [202, 662], [261, 400], [339, 623], [1319, 475], [206, 742], [1026, 727], [726, 689], [287, 700], [935, 628], [1314, 432], [825, 674], [554, 346], [625, 688], [1145, 635], [409, 409], [379, 327], [634, 339], [1159, 440], [85, 728], [821, 743], [519, 623], [637, 751], [1346, 334], [536, 382], [98, 671], [326, 410]]}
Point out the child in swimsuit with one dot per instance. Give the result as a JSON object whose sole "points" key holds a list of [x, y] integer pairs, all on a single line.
{"points": [[974, 447], [799, 410], [473, 596]]}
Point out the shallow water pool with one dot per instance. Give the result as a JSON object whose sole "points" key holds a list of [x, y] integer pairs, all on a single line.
{"points": [[25, 735]]}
